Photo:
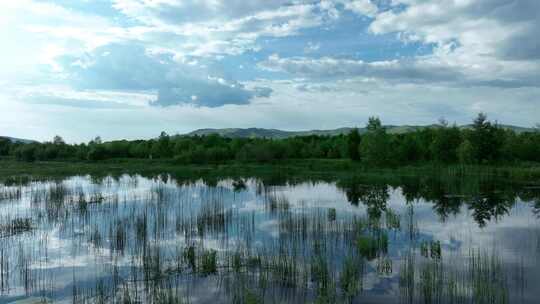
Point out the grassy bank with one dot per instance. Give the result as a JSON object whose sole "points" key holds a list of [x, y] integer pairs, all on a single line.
{"points": [[303, 169]]}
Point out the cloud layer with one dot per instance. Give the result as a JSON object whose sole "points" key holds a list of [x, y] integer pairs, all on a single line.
{"points": [[283, 64]]}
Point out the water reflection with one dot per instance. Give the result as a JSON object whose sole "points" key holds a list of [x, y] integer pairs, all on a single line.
{"points": [[164, 239]]}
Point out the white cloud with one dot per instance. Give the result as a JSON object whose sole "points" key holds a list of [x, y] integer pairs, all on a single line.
{"points": [[486, 42], [327, 67], [484, 39], [425, 69], [185, 54], [35, 33], [342, 103], [362, 7], [213, 28]]}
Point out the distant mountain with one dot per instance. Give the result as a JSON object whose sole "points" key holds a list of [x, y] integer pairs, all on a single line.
{"points": [[516, 129], [17, 140], [280, 134]]}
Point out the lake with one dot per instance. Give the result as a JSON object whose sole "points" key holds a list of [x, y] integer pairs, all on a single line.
{"points": [[156, 239]]}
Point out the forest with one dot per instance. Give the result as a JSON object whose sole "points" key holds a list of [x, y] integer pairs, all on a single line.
{"points": [[484, 142]]}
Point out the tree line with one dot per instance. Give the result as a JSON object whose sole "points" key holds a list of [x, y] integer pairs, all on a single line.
{"points": [[483, 142]]}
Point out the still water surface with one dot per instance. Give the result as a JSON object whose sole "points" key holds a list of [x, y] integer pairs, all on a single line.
{"points": [[135, 239]]}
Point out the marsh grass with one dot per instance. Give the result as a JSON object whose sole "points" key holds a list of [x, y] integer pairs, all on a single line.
{"points": [[350, 279], [431, 249], [393, 220], [407, 279], [10, 193], [11, 227], [488, 278], [480, 278], [332, 214], [372, 246], [208, 262], [277, 203], [148, 245]]}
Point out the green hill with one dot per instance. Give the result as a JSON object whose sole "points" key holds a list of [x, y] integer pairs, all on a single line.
{"points": [[17, 140], [277, 134]]}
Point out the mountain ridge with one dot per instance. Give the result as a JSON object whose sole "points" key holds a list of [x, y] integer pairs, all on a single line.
{"points": [[18, 140], [280, 134]]}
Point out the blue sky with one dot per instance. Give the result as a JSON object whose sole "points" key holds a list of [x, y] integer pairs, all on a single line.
{"points": [[132, 68]]}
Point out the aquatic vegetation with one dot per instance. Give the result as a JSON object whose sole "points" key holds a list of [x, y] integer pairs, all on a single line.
{"points": [[15, 226], [10, 193], [208, 262], [277, 203], [407, 279], [393, 220], [488, 278], [350, 279], [384, 266], [431, 249], [332, 214], [372, 246], [128, 239], [323, 278], [191, 258], [239, 185], [432, 282]]}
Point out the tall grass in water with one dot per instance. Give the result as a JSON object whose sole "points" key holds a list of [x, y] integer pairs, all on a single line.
{"points": [[480, 278], [407, 279], [323, 278], [276, 203], [432, 282], [10, 193], [350, 279], [15, 226], [489, 282], [155, 244]]}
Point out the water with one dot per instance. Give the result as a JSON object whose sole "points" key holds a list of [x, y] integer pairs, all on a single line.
{"points": [[135, 239]]}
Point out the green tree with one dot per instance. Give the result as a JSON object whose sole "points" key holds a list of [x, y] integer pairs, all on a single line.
{"points": [[162, 148], [487, 139], [353, 144], [466, 152], [139, 149], [26, 152], [445, 143], [58, 140], [405, 148], [374, 124], [4, 146], [97, 152], [375, 145], [96, 141]]}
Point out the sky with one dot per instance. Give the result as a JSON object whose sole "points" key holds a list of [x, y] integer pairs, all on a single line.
{"points": [[133, 68]]}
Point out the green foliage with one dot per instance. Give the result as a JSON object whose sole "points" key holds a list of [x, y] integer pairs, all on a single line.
{"points": [[465, 152], [321, 276], [353, 145], [431, 249], [372, 246], [375, 145], [350, 277], [486, 139], [4, 146], [162, 148], [445, 143], [483, 142], [367, 247], [191, 257], [332, 214], [26, 153], [209, 262], [97, 152]]}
